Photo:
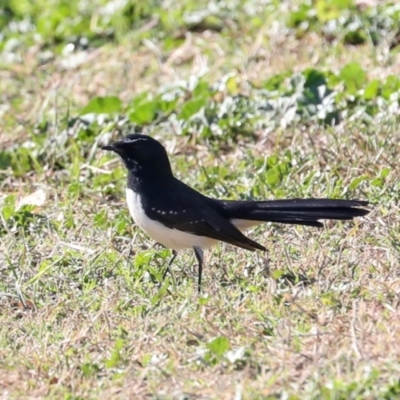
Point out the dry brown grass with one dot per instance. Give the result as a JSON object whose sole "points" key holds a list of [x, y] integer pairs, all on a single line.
{"points": [[81, 296]]}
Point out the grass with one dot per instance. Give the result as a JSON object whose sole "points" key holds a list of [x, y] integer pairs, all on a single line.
{"points": [[252, 100]]}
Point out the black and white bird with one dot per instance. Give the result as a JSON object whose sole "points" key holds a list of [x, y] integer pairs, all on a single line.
{"points": [[179, 217]]}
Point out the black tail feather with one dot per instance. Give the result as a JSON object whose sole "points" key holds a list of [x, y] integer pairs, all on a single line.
{"points": [[295, 211]]}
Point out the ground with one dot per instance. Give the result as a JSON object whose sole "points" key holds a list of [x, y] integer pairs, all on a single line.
{"points": [[252, 99]]}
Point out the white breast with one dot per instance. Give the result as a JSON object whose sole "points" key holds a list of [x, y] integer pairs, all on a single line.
{"points": [[171, 238]]}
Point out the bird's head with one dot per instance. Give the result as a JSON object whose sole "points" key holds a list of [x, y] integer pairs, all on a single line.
{"points": [[141, 153]]}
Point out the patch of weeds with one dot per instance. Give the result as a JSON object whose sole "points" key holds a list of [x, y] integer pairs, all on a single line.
{"points": [[59, 22], [17, 220], [369, 384], [219, 114], [219, 350], [344, 21], [62, 27], [116, 357]]}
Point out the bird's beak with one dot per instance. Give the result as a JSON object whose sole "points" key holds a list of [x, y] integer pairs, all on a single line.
{"points": [[109, 147]]}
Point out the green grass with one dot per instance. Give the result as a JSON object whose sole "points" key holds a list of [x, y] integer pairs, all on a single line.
{"points": [[253, 99]]}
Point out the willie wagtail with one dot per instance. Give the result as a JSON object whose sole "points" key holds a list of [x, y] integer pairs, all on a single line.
{"points": [[179, 217]]}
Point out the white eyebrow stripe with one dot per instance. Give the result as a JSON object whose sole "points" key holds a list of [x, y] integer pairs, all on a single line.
{"points": [[135, 140]]}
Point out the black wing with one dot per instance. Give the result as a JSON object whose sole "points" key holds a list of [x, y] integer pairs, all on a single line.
{"points": [[196, 214]]}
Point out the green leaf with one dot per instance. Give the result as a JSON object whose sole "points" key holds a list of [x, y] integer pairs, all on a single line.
{"points": [[277, 274], [115, 357], [276, 82], [355, 37], [144, 113], [385, 172], [314, 78], [301, 16], [219, 346], [378, 182], [392, 85], [75, 189], [100, 219], [232, 86], [203, 301], [202, 90], [140, 99], [272, 160], [103, 105], [166, 104], [122, 225], [273, 176], [192, 107], [22, 161], [146, 359], [372, 90], [331, 9], [353, 76], [143, 258], [356, 181], [5, 160], [89, 369], [8, 210]]}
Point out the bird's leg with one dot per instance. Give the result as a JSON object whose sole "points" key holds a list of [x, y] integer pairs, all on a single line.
{"points": [[199, 255], [168, 269]]}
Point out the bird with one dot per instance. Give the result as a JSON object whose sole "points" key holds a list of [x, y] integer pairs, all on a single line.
{"points": [[179, 217]]}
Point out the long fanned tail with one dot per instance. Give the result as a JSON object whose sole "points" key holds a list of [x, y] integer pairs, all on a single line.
{"points": [[295, 211]]}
